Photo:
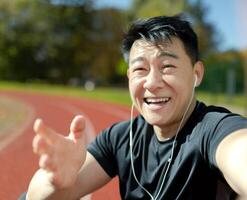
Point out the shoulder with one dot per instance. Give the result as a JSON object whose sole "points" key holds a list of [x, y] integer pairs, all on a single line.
{"points": [[110, 146], [210, 124], [215, 122], [212, 115], [204, 110], [118, 133], [124, 126]]}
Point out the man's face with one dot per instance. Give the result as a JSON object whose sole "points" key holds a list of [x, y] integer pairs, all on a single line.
{"points": [[161, 81]]}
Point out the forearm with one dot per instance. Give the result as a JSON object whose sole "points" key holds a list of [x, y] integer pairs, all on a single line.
{"points": [[232, 160], [243, 197], [41, 188]]}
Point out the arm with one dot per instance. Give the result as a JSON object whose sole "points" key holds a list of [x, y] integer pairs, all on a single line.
{"points": [[90, 178], [231, 158], [66, 171]]}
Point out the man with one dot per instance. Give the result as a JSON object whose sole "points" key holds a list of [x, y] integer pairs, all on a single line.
{"points": [[177, 148]]}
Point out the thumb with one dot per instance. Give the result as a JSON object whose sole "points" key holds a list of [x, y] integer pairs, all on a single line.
{"points": [[77, 126]]}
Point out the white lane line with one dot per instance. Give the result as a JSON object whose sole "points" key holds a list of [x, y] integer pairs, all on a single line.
{"points": [[15, 132], [90, 130], [110, 110]]}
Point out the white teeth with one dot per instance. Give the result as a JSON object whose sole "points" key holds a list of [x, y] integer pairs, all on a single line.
{"points": [[157, 100]]}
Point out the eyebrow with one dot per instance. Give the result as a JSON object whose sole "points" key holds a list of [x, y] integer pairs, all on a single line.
{"points": [[136, 60], [167, 54], [161, 54]]}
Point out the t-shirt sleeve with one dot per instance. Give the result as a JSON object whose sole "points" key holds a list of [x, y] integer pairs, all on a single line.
{"points": [[223, 125], [102, 150]]}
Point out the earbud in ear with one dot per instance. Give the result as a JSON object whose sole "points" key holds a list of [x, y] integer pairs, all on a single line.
{"points": [[195, 83]]}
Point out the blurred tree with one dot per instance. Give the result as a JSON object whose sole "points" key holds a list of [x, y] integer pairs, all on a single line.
{"points": [[107, 38], [69, 41], [244, 57], [39, 40], [224, 70], [59, 42], [208, 36], [149, 8], [65, 41]]}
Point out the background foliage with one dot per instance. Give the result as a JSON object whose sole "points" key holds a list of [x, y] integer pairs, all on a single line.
{"points": [[71, 42]]}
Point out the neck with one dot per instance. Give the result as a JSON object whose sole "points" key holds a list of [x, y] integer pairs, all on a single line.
{"points": [[168, 131]]}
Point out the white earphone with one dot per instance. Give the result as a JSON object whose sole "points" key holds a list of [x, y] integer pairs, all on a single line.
{"points": [[156, 197], [195, 83]]}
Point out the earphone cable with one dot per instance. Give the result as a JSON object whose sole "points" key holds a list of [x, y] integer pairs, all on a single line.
{"points": [[131, 155], [172, 150]]}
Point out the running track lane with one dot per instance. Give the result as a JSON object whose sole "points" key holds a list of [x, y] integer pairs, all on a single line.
{"points": [[18, 163]]}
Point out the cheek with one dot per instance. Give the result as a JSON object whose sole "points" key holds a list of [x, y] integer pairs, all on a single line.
{"points": [[180, 82], [135, 87], [183, 88], [185, 91]]}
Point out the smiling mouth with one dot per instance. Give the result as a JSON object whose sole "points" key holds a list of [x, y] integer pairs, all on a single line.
{"points": [[156, 101]]}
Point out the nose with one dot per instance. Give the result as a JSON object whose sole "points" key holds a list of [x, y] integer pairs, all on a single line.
{"points": [[153, 80]]}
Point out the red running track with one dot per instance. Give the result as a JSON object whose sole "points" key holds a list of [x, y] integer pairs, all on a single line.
{"points": [[18, 163]]}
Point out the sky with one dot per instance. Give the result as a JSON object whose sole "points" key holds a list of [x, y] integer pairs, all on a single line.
{"points": [[228, 16]]}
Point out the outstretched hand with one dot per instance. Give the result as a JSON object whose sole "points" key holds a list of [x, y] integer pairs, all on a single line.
{"points": [[61, 157]]}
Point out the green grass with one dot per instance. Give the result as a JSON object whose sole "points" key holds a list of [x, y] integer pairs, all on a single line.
{"points": [[237, 103], [116, 95], [212, 98]]}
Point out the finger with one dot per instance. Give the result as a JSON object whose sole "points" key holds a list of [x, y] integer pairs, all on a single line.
{"points": [[40, 145], [45, 162], [41, 129], [77, 126]]}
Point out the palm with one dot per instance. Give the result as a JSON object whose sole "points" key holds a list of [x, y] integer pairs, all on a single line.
{"points": [[61, 156]]}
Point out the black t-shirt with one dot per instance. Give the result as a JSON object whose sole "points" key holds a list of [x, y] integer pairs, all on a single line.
{"points": [[193, 173]]}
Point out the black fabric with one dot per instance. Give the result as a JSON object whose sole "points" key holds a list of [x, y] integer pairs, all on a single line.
{"points": [[193, 173]]}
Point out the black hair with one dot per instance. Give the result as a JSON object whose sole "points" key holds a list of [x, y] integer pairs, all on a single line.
{"points": [[162, 28]]}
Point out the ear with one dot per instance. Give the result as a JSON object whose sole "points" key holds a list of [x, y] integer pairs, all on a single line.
{"points": [[198, 72]]}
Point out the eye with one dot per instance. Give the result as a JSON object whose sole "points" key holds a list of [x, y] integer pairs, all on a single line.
{"points": [[167, 68], [139, 69]]}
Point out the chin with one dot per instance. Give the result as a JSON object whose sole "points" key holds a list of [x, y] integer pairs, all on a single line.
{"points": [[155, 121]]}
